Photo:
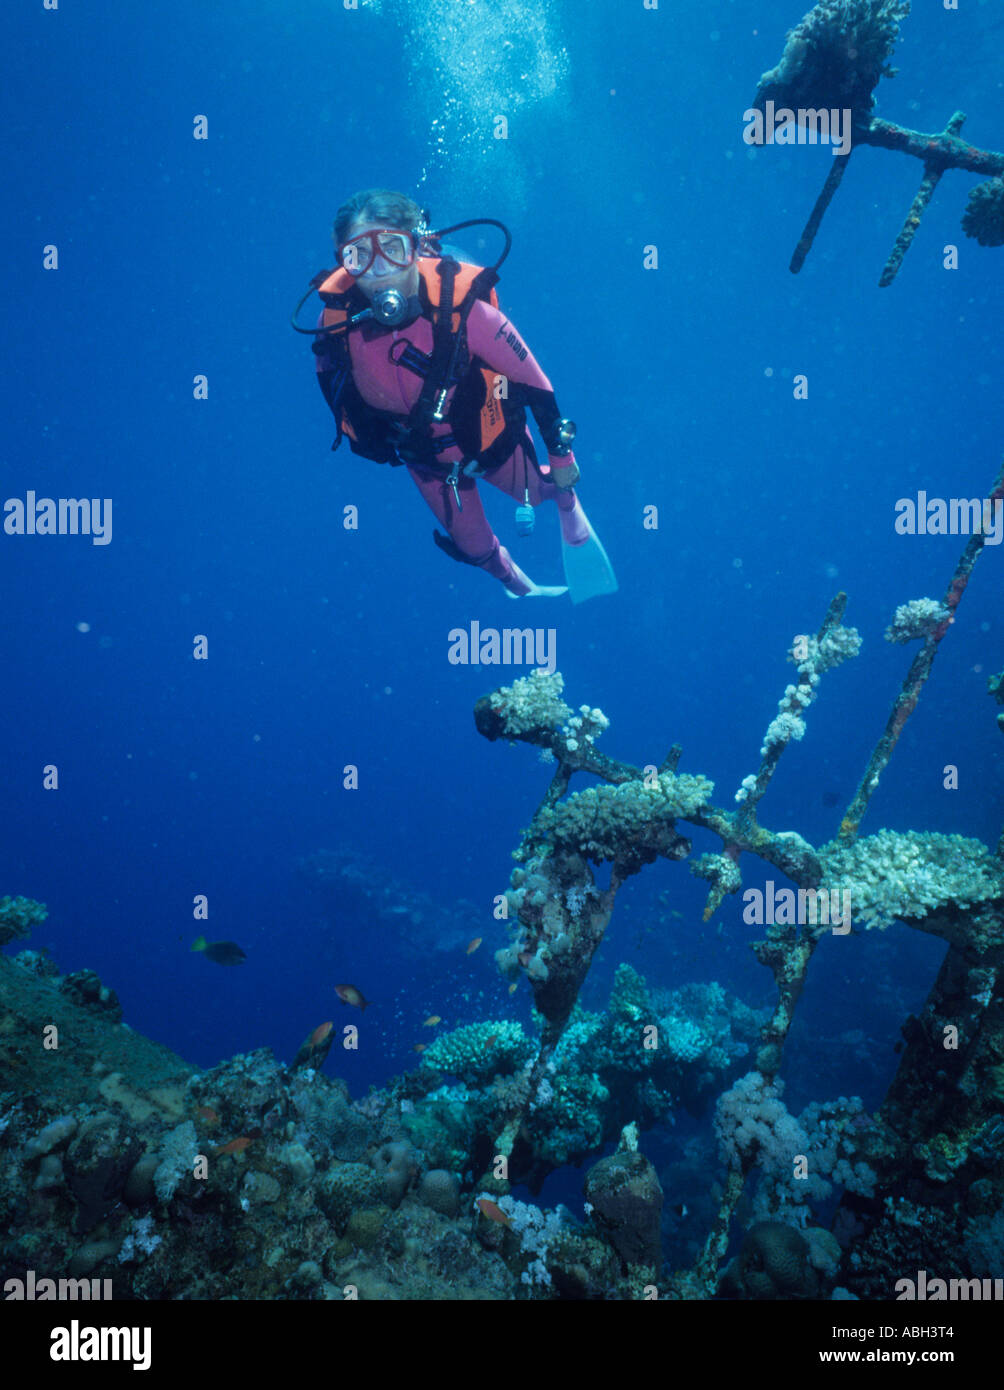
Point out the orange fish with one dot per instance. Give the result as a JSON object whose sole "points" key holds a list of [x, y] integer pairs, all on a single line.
{"points": [[493, 1212], [319, 1034], [490, 1042], [236, 1146], [206, 1113], [472, 946], [431, 1021], [348, 994], [514, 987], [314, 1049], [419, 1047]]}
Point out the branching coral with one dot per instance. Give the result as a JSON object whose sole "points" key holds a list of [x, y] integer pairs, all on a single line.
{"points": [[532, 703], [479, 1051], [915, 619], [599, 820], [812, 657], [561, 913]]}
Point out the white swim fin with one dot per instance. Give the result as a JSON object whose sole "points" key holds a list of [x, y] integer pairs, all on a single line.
{"points": [[588, 572]]}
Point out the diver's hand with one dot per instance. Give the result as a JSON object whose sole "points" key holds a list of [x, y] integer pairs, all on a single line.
{"points": [[564, 473]]}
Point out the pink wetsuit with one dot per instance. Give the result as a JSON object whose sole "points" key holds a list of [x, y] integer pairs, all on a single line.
{"points": [[389, 387]]}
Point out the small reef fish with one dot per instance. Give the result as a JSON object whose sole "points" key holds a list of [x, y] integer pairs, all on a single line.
{"points": [[316, 1047], [514, 987], [348, 994], [490, 1042], [236, 1146], [418, 1047], [472, 946], [206, 1113], [431, 1021], [489, 1209], [222, 952]]}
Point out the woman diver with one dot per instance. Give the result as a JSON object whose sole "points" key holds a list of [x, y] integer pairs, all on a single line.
{"points": [[421, 368]]}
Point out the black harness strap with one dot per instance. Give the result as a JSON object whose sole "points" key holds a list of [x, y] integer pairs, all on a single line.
{"points": [[439, 371], [481, 287], [442, 348], [404, 353]]}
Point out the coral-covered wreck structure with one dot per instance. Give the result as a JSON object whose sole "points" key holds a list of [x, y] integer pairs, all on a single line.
{"points": [[120, 1162]]}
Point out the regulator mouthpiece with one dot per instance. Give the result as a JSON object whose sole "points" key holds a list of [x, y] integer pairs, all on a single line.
{"points": [[390, 307]]}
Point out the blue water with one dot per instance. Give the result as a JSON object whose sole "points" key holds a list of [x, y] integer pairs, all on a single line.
{"points": [[178, 257]]}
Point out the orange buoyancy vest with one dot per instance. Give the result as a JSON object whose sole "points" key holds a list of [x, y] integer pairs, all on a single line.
{"points": [[483, 425]]}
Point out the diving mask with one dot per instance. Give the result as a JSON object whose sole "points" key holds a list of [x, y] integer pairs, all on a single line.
{"points": [[396, 248]]}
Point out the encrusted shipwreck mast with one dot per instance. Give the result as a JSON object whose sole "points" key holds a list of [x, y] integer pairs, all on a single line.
{"points": [[941, 884], [834, 59]]}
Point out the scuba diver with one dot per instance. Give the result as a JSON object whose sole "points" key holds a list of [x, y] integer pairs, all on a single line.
{"points": [[420, 368]]}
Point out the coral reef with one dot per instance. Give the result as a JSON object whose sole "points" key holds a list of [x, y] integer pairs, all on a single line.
{"points": [[18, 916], [894, 875], [799, 1160], [836, 55], [637, 1061], [916, 619], [478, 1051], [778, 1262], [531, 704], [139, 1182], [440, 1190], [253, 1179], [983, 218], [944, 885]]}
